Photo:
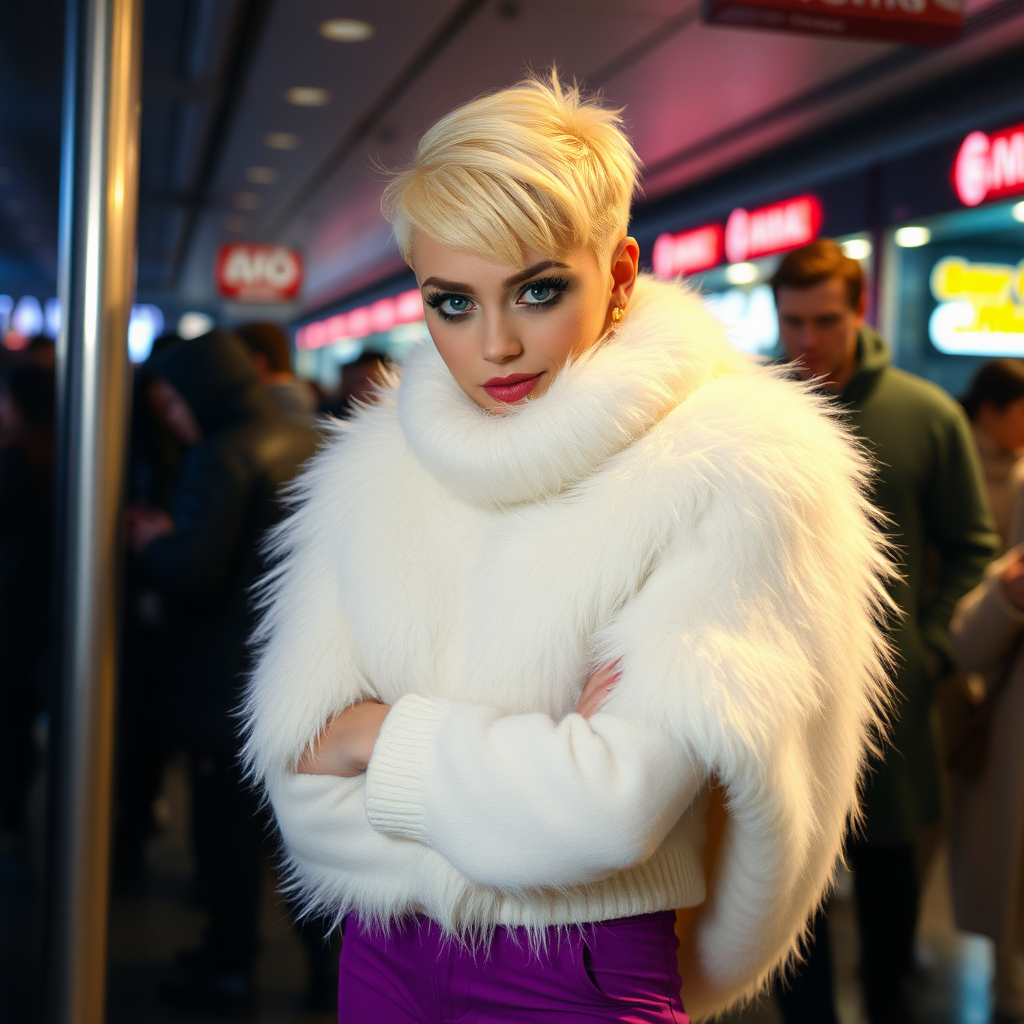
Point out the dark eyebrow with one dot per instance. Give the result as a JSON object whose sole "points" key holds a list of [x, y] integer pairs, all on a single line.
{"points": [[525, 275], [448, 286], [511, 282]]}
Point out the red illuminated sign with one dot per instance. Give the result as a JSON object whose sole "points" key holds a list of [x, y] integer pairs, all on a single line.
{"points": [[990, 166], [376, 318], [772, 229], [249, 272], [688, 252], [923, 22]]}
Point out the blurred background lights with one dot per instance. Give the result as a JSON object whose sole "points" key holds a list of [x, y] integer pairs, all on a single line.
{"points": [[27, 318], [146, 324], [281, 140], [246, 201], [52, 317], [346, 30], [857, 248], [192, 324], [912, 236], [741, 273], [261, 175], [307, 96], [6, 305], [1017, 212]]}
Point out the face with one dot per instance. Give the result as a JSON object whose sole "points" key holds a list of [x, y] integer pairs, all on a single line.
{"points": [[1005, 426], [174, 412], [819, 329], [503, 331]]}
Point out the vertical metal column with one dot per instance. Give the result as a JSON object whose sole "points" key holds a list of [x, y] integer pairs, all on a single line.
{"points": [[99, 197]]}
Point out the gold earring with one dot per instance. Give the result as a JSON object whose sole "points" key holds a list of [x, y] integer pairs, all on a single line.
{"points": [[617, 314]]}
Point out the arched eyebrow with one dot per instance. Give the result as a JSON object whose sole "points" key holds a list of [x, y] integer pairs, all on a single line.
{"points": [[524, 275]]}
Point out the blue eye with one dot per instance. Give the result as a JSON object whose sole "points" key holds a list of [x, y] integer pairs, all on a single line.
{"points": [[455, 304], [545, 292]]}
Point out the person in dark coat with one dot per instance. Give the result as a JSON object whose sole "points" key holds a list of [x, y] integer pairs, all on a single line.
{"points": [[26, 516], [929, 486], [205, 556]]}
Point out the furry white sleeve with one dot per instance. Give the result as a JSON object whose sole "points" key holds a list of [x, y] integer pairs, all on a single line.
{"points": [[520, 801]]}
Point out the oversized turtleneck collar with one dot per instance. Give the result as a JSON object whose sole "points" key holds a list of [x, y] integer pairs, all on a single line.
{"points": [[664, 349]]}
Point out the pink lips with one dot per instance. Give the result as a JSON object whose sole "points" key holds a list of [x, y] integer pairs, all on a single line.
{"points": [[513, 388]]}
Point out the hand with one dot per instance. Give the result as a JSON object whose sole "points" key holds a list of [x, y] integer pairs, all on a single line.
{"points": [[346, 744], [598, 689], [145, 525], [1011, 580]]}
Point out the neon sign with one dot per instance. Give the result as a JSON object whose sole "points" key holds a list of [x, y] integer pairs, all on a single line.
{"points": [[382, 315], [980, 310], [748, 234], [772, 229], [989, 166], [687, 253]]}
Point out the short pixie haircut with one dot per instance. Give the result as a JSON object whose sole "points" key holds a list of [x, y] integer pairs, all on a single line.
{"points": [[536, 166]]}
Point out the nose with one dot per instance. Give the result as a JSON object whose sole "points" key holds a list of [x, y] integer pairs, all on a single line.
{"points": [[500, 343]]}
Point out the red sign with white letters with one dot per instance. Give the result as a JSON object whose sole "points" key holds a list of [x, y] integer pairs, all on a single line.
{"points": [[990, 166], [772, 229], [254, 272], [688, 252], [923, 22]]}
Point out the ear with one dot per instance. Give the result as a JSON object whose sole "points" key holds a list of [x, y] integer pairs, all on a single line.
{"points": [[625, 260], [862, 308]]}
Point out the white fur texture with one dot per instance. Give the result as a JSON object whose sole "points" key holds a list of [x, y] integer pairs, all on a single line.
{"points": [[667, 504]]}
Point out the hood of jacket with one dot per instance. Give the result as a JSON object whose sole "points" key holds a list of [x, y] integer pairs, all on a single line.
{"points": [[666, 347], [873, 356], [215, 375]]}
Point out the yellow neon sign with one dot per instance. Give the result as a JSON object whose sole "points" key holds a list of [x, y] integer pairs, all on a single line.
{"points": [[981, 308]]}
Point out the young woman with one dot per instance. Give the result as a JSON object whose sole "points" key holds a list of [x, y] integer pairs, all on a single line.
{"points": [[579, 479]]}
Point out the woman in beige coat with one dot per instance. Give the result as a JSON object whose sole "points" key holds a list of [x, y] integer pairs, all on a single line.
{"points": [[987, 826]]}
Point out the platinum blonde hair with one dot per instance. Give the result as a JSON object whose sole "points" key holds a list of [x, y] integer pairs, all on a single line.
{"points": [[535, 166]]}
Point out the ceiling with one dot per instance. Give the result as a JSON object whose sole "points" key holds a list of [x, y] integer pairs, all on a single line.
{"points": [[698, 100]]}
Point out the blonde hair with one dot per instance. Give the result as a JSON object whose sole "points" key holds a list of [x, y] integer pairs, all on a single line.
{"points": [[536, 166]]}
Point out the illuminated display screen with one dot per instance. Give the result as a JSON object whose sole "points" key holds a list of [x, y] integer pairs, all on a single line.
{"points": [[980, 309]]}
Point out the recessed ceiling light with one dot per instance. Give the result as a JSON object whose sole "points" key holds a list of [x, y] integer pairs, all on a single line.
{"points": [[234, 224], [1017, 212], [912, 236], [346, 30], [261, 175], [246, 201], [281, 140], [307, 96], [741, 273]]}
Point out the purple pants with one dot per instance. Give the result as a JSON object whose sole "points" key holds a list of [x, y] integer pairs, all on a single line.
{"points": [[623, 970]]}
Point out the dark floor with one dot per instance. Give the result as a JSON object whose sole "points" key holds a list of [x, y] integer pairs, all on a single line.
{"points": [[147, 927]]}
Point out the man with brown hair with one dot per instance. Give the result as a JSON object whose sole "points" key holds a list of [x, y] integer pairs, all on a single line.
{"points": [[272, 356], [929, 486]]}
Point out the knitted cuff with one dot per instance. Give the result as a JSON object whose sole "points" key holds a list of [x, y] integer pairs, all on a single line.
{"points": [[394, 777]]}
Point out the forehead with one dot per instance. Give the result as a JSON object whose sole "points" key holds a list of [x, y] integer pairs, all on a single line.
{"points": [[431, 258], [827, 296]]}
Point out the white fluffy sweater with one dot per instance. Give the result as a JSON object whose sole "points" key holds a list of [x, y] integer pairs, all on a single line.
{"points": [[667, 504]]}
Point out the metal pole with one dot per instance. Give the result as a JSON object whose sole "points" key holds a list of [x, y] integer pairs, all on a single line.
{"points": [[99, 196]]}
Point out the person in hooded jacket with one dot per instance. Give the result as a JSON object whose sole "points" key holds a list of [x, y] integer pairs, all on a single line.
{"points": [[928, 483], [204, 556]]}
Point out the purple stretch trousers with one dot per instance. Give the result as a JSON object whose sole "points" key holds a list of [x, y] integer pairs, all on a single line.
{"points": [[623, 970]]}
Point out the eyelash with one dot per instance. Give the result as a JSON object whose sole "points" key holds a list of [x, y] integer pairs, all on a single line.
{"points": [[435, 300]]}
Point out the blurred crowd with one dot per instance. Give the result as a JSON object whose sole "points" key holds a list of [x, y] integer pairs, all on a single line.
{"points": [[220, 425]]}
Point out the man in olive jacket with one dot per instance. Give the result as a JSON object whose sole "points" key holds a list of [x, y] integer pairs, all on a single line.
{"points": [[929, 485]]}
